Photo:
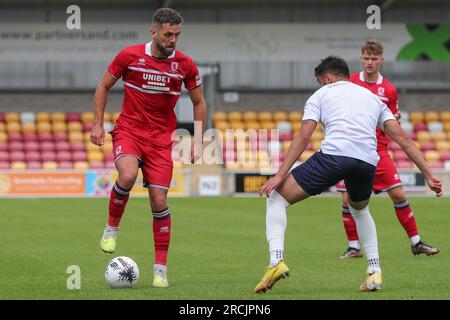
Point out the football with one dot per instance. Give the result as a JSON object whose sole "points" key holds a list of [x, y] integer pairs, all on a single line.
{"points": [[122, 272]]}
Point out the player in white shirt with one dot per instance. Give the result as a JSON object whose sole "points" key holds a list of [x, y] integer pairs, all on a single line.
{"points": [[350, 115]]}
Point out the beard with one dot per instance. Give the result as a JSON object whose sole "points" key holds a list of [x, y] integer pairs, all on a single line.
{"points": [[166, 52]]}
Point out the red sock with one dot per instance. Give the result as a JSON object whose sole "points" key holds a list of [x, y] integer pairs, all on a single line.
{"points": [[161, 235], [349, 224], [117, 202], [406, 218]]}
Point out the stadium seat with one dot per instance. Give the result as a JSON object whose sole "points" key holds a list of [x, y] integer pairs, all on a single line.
{"points": [[439, 136], [392, 145], [60, 136], [407, 126], [58, 117], [435, 126], [48, 156], [81, 165], [264, 116], [12, 117], [17, 156], [431, 116], [65, 165], [280, 116], [446, 165], [404, 116], [63, 156], [423, 136], [4, 146], [62, 146], [416, 116], [443, 145], [436, 164], [432, 156], [447, 125], [269, 125], [14, 136], [108, 156], [30, 136], [2, 127], [49, 165], [252, 125], [45, 137], [107, 126], [316, 145], [287, 136], [87, 117], [79, 156], [445, 155], [4, 165], [28, 128], [306, 155], [234, 116], [420, 126], [13, 126], [295, 116], [34, 165], [87, 126], [43, 126], [31, 146], [96, 165], [47, 146], [18, 165], [59, 126], [107, 116], [284, 127], [2, 117], [296, 125], [78, 146], [73, 116], [237, 125], [400, 155], [115, 116], [75, 136], [222, 125], [427, 146], [110, 165], [250, 116], [4, 156], [27, 117], [16, 146], [74, 126], [107, 146], [317, 136], [445, 116], [404, 164], [42, 117]]}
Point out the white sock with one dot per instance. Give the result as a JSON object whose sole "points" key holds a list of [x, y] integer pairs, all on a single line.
{"points": [[110, 231], [160, 269], [367, 232], [353, 244], [414, 240], [276, 223]]}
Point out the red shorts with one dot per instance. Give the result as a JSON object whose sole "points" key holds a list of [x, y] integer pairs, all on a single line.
{"points": [[155, 161], [386, 177]]}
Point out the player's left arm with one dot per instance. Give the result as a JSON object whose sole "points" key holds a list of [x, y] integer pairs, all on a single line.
{"points": [[199, 105], [393, 103]]}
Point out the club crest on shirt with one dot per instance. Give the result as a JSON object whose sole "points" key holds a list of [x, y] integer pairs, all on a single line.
{"points": [[174, 67], [380, 91], [141, 61], [118, 150]]}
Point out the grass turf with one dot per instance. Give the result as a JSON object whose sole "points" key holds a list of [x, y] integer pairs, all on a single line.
{"points": [[218, 250]]}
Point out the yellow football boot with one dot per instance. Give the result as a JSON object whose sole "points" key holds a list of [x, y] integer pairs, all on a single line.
{"points": [[372, 283], [272, 275]]}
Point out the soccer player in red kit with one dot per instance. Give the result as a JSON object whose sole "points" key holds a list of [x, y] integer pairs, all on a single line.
{"points": [[387, 178], [153, 74]]}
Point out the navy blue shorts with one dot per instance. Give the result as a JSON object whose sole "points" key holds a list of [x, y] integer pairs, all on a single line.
{"points": [[322, 171]]}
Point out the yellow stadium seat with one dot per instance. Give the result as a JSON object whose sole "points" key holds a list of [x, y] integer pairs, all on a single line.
{"points": [[2, 127], [115, 116], [432, 155], [316, 145], [75, 136], [445, 116], [87, 117], [81, 165], [447, 125], [296, 126], [13, 126], [28, 128], [416, 116], [107, 146], [443, 145], [423, 136], [249, 166], [306, 155], [108, 138], [265, 116], [49, 165], [42, 117], [107, 116], [285, 146], [280, 116], [295, 116], [232, 166], [3, 136], [95, 156], [250, 116], [87, 137], [417, 143], [12, 117], [439, 136], [222, 125], [219, 116], [317, 135], [18, 165], [59, 126], [93, 147], [234, 116], [268, 125], [432, 116], [58, 117], [252, 125], [74, 126], [43, 126], [237, 125]]}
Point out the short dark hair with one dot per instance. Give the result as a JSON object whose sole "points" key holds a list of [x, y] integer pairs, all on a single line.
{"points": [[333, 65], [167, 15]]}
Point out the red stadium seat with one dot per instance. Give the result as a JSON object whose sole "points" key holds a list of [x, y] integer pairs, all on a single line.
{"points": [[428, 145], [2, 117], [62, 146], [108, 156], [96, 165], [436, 164], [34, 165], [286, 136], [31, 146], [17, 156], [400, 155], [394, 146], [60, 136], [63, 156], [445, 156], [4, 156], [47, 146], [48, 156], [78, 146], [420, 126], [14, 136], [110, 165], [73, 116], [404, 164], [4, 146], [87, 126], [79, 156], [16, 146], [30, 136], [4, 165], [33, 156], [65, 165], [45, 136]]}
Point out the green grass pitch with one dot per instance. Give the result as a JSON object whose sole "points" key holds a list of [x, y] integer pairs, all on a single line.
{"points": [[218, 250]]}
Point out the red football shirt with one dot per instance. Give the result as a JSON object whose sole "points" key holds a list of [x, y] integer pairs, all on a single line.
{"points": [[387, 92], [152, 88]]}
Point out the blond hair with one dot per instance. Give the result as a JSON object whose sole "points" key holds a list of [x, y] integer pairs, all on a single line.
{"points": [[372, 46]]}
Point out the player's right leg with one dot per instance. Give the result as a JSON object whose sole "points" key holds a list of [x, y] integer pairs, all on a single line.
{"points": [[127, 166]]}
